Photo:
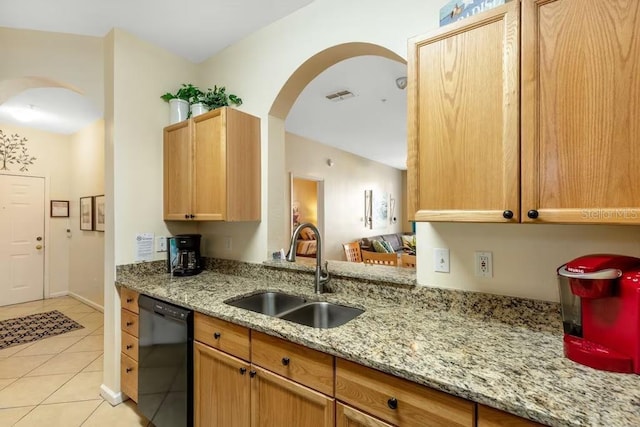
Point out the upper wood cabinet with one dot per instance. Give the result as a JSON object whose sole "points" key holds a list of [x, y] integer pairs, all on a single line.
{"points": [[575, 137], [463, 120], [581, 110], [212, 167]]}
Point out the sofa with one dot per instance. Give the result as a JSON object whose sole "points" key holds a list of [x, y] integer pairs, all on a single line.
{"points": [[395, 240]]}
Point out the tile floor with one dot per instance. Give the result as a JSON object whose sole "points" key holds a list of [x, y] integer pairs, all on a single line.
{"points": [[55, 382]]}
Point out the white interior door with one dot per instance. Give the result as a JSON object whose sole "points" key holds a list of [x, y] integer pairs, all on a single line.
{"points": [[21, 239]]}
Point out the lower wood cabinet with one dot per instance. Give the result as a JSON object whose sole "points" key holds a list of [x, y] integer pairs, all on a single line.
{"points": [[489, 417], [221, 389], [347, 416], [277, 401]]}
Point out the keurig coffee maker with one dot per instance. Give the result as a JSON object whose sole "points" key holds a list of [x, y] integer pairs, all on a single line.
{"points": [[188, 261], [600, 298]]}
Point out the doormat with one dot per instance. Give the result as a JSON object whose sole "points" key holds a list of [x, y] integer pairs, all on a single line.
{"points": [[25, 329]]}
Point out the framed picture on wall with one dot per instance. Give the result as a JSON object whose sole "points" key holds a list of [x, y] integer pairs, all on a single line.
{"points": [[86, 213], [98, 208], [60, 209]]}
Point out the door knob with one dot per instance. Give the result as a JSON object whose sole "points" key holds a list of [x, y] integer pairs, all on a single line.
{"points": [[533, 214], [507, 214], [38, 246], [39, 238]]}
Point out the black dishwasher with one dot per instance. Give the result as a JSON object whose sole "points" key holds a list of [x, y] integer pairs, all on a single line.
{"points": [[165, 363]]}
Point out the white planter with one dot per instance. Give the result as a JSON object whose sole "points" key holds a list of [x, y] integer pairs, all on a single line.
{"points": [[178, 110], [198, 108]]}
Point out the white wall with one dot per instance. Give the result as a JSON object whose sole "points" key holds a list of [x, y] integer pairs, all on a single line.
{"points": [[52, 162], [344, 186], [86, 248], [71, 59]]}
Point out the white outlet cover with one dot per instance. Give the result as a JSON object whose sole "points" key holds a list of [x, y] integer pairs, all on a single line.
{"points": [[483, 264], [441, 260]]}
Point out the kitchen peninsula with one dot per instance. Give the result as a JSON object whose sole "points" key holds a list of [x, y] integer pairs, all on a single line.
{"points": [[498, 351]]}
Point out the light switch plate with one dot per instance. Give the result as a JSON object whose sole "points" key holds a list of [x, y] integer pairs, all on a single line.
{"points": [[441, 260]]}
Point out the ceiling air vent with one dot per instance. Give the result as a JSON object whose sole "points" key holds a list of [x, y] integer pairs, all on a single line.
{"points": [[341, 95]]}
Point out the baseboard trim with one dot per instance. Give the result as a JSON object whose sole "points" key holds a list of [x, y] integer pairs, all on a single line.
{"points": [[58, 294], [87, 301], [112, 397]]}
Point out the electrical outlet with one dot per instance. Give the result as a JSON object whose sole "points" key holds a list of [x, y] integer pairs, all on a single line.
{"points": [[227, 243], [484, 264], [441, 260], [161, 244]]}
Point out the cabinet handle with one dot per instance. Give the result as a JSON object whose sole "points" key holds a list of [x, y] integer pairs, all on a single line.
{"points": [[392, 403], [285, 361], [216, 335], [128, 370], [507, 214], [192, 216], [533, 214], [129, 300], [186, 216], [129, 323], [243, 371], [252, 373], [129, 346]]}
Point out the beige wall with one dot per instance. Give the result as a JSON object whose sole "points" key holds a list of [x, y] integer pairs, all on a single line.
{"points": [[86, 248], [71, 59], [52, 162], [305, 197], [344, 186]]}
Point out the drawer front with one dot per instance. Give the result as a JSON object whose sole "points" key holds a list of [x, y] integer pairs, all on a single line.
{"points": [[346, 416], [129, 322], [399, 401], [222, 335], [489, 417], [129, 300], [298, 363], [130, 346], [129, 377]]}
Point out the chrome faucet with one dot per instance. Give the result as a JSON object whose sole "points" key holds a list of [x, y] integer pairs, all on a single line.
{"points": [[322, 276]]}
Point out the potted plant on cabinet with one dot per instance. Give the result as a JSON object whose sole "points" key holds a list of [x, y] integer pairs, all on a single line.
{"points": [[218, 97], [179, 102]]}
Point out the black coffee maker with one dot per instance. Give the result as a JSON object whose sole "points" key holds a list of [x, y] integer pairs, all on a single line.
{"points": [[188, 261]]}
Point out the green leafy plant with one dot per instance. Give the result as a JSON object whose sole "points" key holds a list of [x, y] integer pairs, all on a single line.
{"points": [[187, 92], [218, 97]]}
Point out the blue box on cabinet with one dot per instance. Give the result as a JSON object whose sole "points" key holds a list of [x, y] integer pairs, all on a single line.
{"points": [[456, 10]]}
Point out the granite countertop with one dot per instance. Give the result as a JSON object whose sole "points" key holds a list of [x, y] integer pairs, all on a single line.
{"points": [[499, 351]]}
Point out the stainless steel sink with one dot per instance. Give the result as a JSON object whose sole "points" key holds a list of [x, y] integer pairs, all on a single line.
{"points": [[322, 315], [296, 309], [270, 303]]}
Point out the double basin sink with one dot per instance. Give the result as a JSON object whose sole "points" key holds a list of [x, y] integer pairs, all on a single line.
{"points": [[296, 309]]}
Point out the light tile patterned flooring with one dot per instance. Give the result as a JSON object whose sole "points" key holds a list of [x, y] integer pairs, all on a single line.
{"points": [[55, 382]]}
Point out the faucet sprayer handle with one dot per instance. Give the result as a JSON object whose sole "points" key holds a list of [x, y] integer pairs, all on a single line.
{"points": [[324, 273]]}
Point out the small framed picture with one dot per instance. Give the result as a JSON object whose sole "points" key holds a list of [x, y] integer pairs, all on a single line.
{"points": [[60, 209], [86, 213], [98, 209]]}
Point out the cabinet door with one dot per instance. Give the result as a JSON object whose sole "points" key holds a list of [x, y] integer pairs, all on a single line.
{"points": [[489, 417], [210, 185], [177, 171], [346, 416], [276, 401], [463, 106], [221, 389], [580, 109]]}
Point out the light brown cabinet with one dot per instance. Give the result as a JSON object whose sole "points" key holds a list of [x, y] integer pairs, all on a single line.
{"points": [[575, 138], [489, 417], [347, 416], [221, 389], [212, 167], [398, 401], [129, 343], [277, 401]]}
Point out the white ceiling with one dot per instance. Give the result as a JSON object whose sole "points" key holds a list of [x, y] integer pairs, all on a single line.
{"points": [[372, 124]]}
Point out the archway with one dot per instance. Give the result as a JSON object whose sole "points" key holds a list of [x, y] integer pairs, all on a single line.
{"points": [[278, 191]]}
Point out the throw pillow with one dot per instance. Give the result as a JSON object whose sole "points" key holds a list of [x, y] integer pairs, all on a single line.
{"points": [[379, 247], [387, 246]]}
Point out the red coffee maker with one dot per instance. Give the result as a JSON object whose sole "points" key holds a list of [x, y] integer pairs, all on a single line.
{"points": [[600, 299]]}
